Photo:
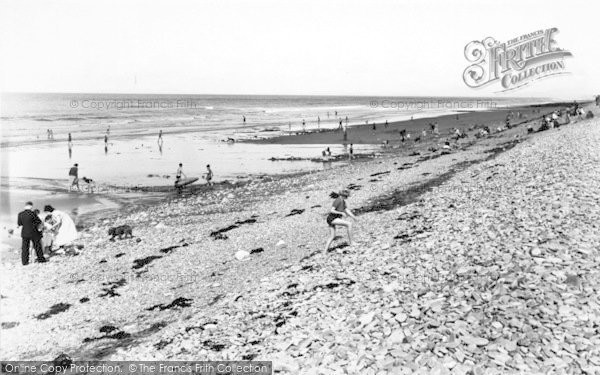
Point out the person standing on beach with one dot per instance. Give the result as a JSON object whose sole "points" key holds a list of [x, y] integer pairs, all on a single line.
{"points": [[160, 136], [386, 124], [105, 140], [351, 152], [319, 122], [209, 175], [346, 120], [179, 174], [340, 125], [74, 173], [244, 119], [303, 125], [30, 232], [338, 210], [70, 142]]}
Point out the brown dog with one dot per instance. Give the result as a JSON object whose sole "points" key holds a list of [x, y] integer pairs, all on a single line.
{"points": [[122, 230]]}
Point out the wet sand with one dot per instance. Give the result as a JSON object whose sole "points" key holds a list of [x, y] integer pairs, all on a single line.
{"points": [[364, 134]]}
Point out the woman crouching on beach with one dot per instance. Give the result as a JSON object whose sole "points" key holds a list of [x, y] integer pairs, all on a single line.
{"points": [[336, 214]]}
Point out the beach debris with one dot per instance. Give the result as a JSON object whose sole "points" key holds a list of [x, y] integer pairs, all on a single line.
{"points": [[295, 211], [241, 255], [257, 250]]}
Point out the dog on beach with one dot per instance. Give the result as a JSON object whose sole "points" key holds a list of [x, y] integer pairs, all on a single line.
{"points": [[121, 230]]}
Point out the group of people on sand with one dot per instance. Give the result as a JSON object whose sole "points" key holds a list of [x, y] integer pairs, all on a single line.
{"points": [[47, 231]]}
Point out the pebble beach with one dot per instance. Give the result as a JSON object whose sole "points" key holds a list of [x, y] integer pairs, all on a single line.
{"points": [[483, 259]]}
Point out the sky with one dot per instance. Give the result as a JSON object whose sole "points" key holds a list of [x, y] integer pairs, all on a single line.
{"points": [[305, 47]]}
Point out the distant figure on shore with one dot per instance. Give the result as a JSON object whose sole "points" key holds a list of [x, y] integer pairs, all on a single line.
{"points": [[318, 122], [64, 227], [160, 140], [303, 125], [244, 119], [346, 120], [351, 152], [179, 173], [209, 175], [31, 231], [386, 124], [74, 174], [105, 140], [48, 133], [338, 210], [345, 134], [374, 125], [340, 126], [70, 141], [335, 113], [290, 126], [403, 135]]}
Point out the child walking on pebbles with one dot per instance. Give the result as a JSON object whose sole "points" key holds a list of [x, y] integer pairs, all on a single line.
{"points": [[336, 214]]}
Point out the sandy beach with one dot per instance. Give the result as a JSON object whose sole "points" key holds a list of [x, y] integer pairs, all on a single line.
{"points": [[453, 255]]}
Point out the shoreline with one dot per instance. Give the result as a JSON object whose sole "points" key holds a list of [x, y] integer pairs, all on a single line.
{"points": [[363, 133], [129, 198]]}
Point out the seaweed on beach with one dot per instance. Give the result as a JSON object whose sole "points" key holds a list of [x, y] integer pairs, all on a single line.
{"points": [[218, 234], [402, 197], [295, 211], [9, 325], [178, 302], [108, 334], [112, 286], [380, 173], [257, 250], [54, 309], [139, 263]]}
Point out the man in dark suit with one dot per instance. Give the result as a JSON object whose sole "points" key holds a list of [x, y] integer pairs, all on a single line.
{"points": [[30, 232]]}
